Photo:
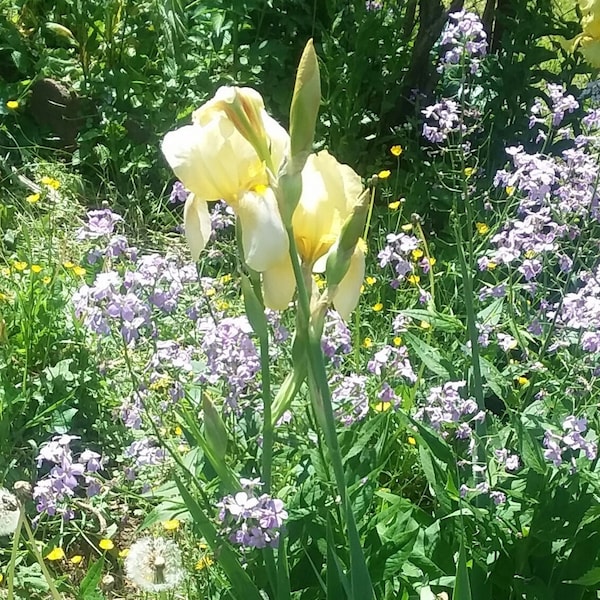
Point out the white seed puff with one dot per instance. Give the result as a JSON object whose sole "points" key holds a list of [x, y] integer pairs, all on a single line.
{"points": [[9, 512]]}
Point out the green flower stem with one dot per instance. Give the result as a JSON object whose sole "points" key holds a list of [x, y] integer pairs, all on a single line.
{"points": [[421, 234], [267, 442], [13, 554], [322, 397], [40, 559]]}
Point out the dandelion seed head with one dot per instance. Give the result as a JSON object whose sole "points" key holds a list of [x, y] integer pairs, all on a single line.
{"points": [[9, 512], [154, 564]]}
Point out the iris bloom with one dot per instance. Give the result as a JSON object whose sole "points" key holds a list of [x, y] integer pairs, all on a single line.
{"points": [[215, 161], [330, 192]]}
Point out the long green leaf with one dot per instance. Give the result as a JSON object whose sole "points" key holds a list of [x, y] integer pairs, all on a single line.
{"points": [[462, 587]]}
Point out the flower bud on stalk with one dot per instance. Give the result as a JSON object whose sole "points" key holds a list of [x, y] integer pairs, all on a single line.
{"points": [[338, 260]]}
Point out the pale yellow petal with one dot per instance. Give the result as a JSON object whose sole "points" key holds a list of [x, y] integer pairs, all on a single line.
{"points": [[279, 285], [197, 225], [348, 291], [264, 237]]}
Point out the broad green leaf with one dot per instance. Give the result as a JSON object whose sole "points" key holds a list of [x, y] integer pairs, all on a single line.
{"points": [[435, 319], [255, 311], [430, 356], [88, 588], [214, 428], [592, 577]]}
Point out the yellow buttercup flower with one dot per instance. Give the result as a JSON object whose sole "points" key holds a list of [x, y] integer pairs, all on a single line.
{"points": [[413, 279], [12, 104], [407, 227], [204, 562], [482, 228], [33, 198], [50, 182], [510, 190], [417, 253], [123, 553], [395, 205], [106, 544], [46, 280], [469, 171], [68, 264], [20, 265], [382, 406], [384, 174], [522, 380], [491, 265], [371, 280], [56, 553], [377, 307], [36, 268], [397, 341], [76, 559], [396, 150], [79, 271], [171, 524], [226, 278], [425, 325], [367, 342], [411, 440], [177, 430]]}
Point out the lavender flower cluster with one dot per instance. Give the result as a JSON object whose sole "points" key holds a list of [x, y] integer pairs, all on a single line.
{"points": [[231, 358], [252, 521], [67, 477], [349, 398], [569, 442], [446, 410], [398, 253], [337, 339], [125, 303], [464, 41]]}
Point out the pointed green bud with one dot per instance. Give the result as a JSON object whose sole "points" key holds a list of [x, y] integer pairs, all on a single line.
{"points": [[339, 257], [305, 103]]}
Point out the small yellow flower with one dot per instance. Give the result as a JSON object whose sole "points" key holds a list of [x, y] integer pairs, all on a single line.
{"points": [[36, 268], [56, 554], [530, 254], [1, 577], [425, 325], [510, 190], [321, 283], [417, 253], [367, 342], [396, 150], [171, 524], [76, 559], [3, 297], [384, 174], [226, 278], [394, 205], [106, 544], [482, 228], [210, 292], [407, 227], [411, 440], [222, 304], [68, 264], [432, 261], [469, 171], [491, 265], [413, 279], [382, 406], [33, 198], [522, 380], [397, 341], [371, 280], [377, 307], [12, 104], [20, 265], [177, 430], [79, 271], [123, 553], [204, 562], [50, 182], [46, 280]]}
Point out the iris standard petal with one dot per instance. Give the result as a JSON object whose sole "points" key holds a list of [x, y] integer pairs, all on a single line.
{"points": [[197, 225], [264, 238]]}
